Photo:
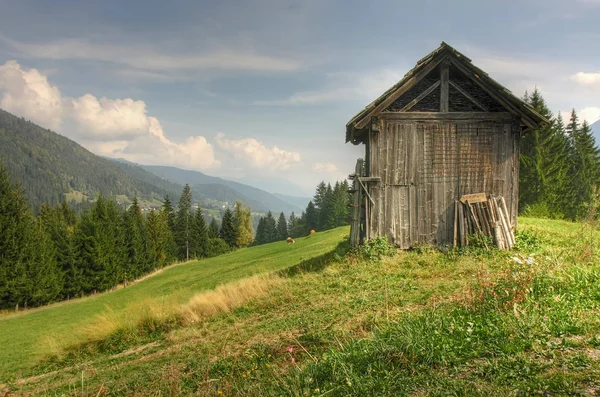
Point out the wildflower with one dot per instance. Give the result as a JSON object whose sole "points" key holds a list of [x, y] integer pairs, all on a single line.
{"points": [[269, 356], [557, 298], [268, 365], [219, 392], [293, 360], [290, 349], [244, 375], [349, 383]]}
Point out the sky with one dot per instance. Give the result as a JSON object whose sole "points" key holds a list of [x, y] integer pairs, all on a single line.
{"points": [[260, 91]]}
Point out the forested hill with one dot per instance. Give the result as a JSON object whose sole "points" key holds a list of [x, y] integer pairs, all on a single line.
{"points": [[48, 165], [225, 190]]}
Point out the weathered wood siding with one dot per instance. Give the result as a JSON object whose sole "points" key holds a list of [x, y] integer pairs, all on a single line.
{"points": [[425, 166]]}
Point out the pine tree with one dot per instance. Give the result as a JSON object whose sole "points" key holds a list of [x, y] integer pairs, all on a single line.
{"points": [[544, 164], [172, 251], [57, 222], [282, 227], [99, 247], [137, 260], [270, 226], [261, 233], [320, 202], [159, 238], [167, 208], [227, 231], [243, 225], [29, 275], [213, 228], [199, 235], [183, 223], [298, 226], [311, 217]]}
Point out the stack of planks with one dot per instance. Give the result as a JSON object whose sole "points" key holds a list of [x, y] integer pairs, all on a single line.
{"points": [[477, 214]]}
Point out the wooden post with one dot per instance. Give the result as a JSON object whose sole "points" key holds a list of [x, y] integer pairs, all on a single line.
{"points": [[455, 223], [356, 212], [444, 90]]}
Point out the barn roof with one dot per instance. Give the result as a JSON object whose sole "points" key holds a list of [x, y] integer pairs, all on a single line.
{"points": [[529, 117]]}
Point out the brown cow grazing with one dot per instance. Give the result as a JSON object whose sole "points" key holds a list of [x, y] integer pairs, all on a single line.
{"points": [[290, 240], [313, 231]]}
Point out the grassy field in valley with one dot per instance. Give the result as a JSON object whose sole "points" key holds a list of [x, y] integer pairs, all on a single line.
{"points": [[27, 335], [422, 322]]}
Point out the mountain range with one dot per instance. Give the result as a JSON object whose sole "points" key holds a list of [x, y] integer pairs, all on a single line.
{"points": [[51, 167]]}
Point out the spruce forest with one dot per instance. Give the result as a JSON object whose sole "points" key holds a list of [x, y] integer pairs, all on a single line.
{"points": [[60, 254]]}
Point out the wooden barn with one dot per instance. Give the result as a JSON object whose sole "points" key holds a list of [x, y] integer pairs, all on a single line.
{"points": [[444, 131]]}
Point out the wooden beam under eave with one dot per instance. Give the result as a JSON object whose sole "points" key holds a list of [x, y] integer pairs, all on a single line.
{"points": [[400, 91], [490, 90], [468, 96], [420, 97], [444, 89]]}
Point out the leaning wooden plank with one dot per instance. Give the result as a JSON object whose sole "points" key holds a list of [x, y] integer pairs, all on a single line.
{"points": [[461, 224], [455, 243], [474, 198], [477, 225], [505, 224], [508, 224]]}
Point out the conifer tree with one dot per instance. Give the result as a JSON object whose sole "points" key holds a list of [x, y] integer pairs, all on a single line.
{"points": [[312, 217], [213, 228], [137, 260], [199, 235], [159, 238], [57, 222], [282, 227], [169, 214], [544, 164], [270, 228], [227, 231], [261, 235], [183, 223]]}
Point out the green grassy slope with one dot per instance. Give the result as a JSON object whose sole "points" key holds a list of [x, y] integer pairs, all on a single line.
{"points": [[22, 336], [462, 323]]}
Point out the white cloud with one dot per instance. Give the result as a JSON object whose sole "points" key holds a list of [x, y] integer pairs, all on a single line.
{"points": [[325, 167], [145, 57], [29, 94], [110, 118], [587, 79], [256, 155], [108, 127]]}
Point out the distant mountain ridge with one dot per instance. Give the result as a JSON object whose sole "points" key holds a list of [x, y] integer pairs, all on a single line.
{"points": [[225, 190], [51, 167], [48, 166]]}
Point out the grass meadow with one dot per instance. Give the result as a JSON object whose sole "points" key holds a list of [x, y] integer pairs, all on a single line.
{"points": [[29, 335], [374, 321]]}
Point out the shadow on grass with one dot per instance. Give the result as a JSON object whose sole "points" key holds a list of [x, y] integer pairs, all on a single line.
{"points": [[317, 263]]}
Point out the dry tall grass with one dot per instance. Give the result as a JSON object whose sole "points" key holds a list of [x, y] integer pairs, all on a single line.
{"points": [[226, 297], [151, 315]]}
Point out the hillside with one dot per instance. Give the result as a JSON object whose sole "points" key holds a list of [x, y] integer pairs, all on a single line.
{"points": [[49, 165], [225, 190], [24, 336], [467, 322]]}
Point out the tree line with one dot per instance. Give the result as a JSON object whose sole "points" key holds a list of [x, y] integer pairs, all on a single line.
{"points": [[327, 210], [559, 166], [60, 255]]}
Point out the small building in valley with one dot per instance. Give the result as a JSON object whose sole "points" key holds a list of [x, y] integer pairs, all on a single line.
{"points": [[446, 130]]}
